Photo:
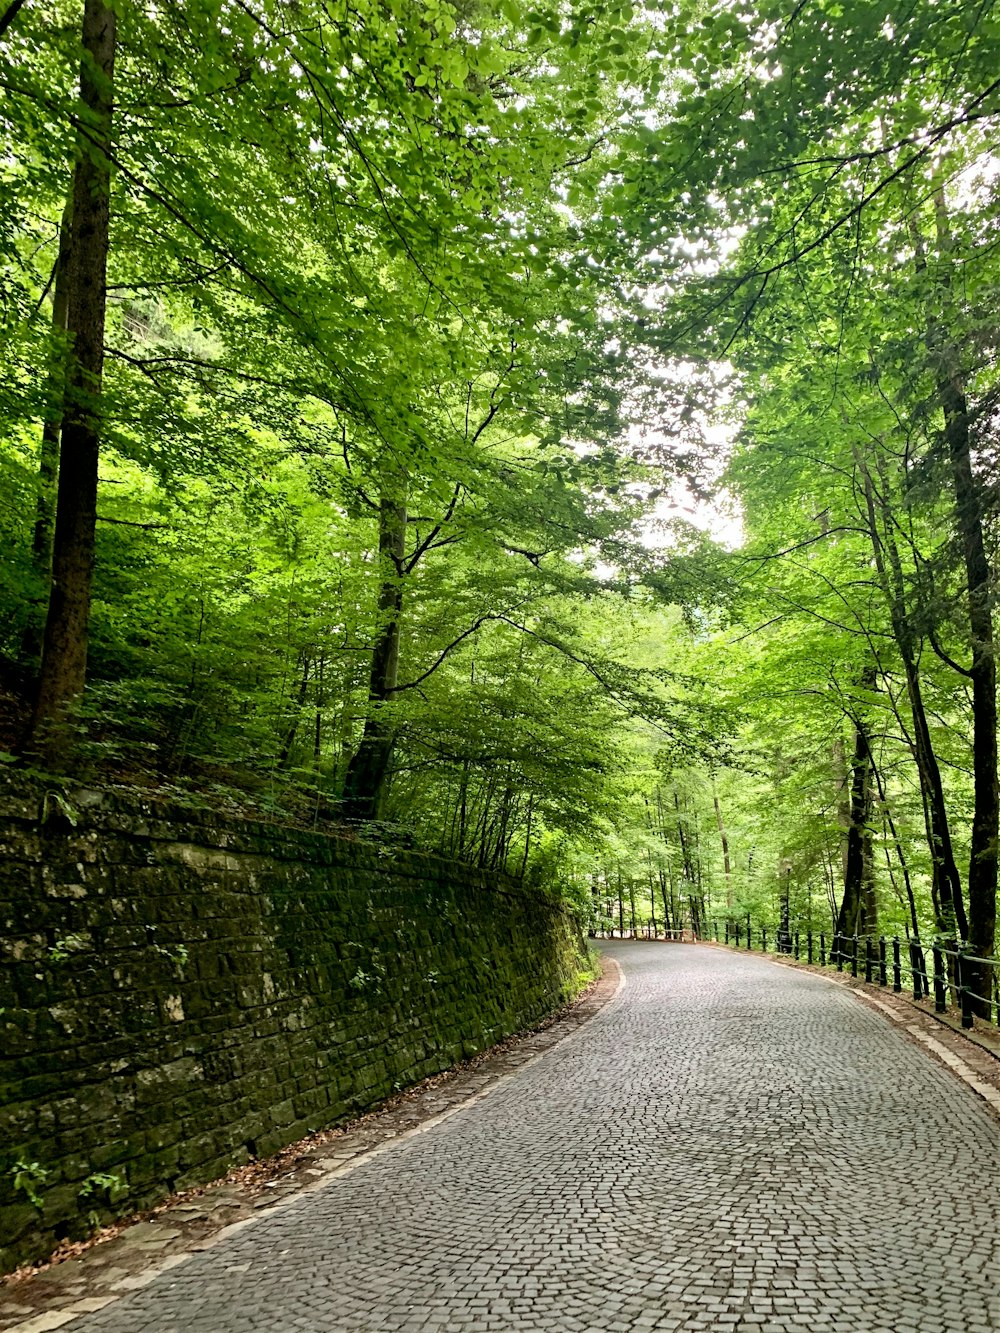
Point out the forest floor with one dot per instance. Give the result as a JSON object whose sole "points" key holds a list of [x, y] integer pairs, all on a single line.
{"points": [[113, 755], [730, 1143]]}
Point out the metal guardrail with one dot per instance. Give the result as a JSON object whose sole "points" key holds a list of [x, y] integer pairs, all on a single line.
{"points": [[953, 966], [684, 936]]}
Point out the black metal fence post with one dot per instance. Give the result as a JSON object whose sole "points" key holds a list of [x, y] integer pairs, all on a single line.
{"points": [[869, 959], [959, 986], [763, 939], [940, 1001], [883, 976], [967, 1018], [897, 969], [838, 946], [854, 956], [715, 930], [962, 972], [809, 947], [822, 948], [796, 946], [737, 934]]}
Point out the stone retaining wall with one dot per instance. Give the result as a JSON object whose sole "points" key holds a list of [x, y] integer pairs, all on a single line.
{"points": [[180, 992]]}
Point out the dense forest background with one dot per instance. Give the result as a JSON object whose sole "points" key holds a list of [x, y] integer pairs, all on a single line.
{"points": [[377, 379]]}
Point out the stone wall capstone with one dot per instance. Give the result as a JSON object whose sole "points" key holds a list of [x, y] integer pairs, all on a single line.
{"points": [[183, 991]]}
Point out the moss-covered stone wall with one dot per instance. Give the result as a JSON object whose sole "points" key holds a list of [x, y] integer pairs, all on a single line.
{"points": [[180, 992]]}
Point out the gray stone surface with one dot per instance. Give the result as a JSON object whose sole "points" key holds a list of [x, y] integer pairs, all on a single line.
{"points": [[223, 988], [727, 1145]]}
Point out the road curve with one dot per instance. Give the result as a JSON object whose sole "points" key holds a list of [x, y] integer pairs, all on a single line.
{"points": [[728, 1144]]}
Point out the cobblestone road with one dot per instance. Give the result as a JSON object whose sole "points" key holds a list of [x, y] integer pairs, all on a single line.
{"points": [[728, 1144]]}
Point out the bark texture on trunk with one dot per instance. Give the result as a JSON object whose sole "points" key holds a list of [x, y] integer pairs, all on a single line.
{"points": [[946, 884], [369, 765], [285, 753], [64, 645], [724, 840], [857, 909], [978, 576], [48, 459]]}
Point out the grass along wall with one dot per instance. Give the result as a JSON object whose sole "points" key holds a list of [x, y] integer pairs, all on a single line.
{"points": [[180, 992]]}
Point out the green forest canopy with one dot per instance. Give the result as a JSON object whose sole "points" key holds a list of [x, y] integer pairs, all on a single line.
{"points": [[357, 360]]}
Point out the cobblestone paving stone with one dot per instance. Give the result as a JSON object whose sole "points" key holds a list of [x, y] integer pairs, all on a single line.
{"points": [[727, 1145]]}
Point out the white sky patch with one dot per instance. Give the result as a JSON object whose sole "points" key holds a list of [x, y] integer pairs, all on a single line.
{"points": [[720, 518]]}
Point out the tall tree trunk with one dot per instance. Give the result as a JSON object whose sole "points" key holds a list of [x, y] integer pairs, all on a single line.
{"points": [[689, 873], [293, 726], [946, 364], [856, 915], [724, 840], [64, 646], [48, 460], [527, 835], [463, 807], [978, 577], [675, 898], [911, 901], [667, 922], [946, 885], [318, 729], [366, 772], [839, 763]]}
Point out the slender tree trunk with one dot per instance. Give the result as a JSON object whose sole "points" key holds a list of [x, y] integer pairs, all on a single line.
{"points": [[900, 855], [667, 924], [724, 840], [946, 885], [318, 729], [950, 376], [463, 806], [48, 460], [692, 870], [695, 906], [830, 884], [64, 646], [689, 874], [297, 707], [856, 908], [840, 777], [508, 805], [527, 834], [784, 933], [9, 15], [699, 882], [484, 820], [652, 892], [978, 577], [675, 897], [366, 772]]}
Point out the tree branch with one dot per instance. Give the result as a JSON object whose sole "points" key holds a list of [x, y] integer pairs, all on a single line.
{"points": [[410, 685], [9, 15], [130, 523]]}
